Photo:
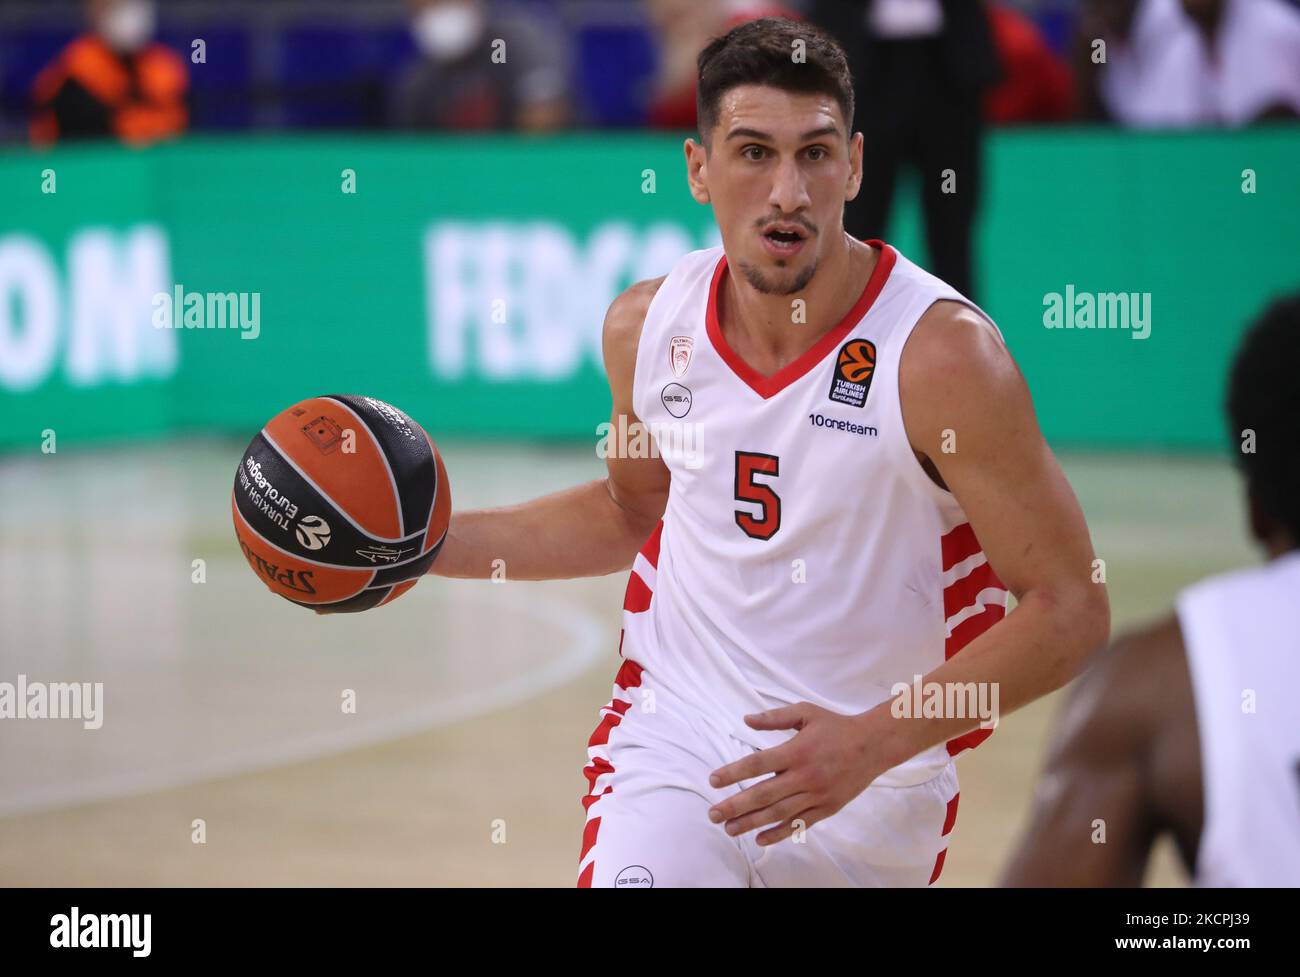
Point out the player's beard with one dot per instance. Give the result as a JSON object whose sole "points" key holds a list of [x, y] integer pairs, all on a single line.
{"points": [[760, 282]]}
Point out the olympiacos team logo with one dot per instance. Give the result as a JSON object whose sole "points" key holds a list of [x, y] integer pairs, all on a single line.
{"points": [[679, 354]]}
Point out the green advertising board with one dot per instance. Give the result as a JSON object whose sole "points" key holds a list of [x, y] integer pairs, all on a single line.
{"points": [[465, 279]]}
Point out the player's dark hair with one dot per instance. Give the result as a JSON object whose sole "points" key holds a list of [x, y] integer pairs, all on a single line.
{"points": [[766, 52], [1264, 397]]}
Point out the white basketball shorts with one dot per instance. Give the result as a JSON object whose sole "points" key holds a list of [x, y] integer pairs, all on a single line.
{"points": [[648, 824]]}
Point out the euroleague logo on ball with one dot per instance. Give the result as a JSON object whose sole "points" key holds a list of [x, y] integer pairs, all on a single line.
{"points": [[313, 532]]}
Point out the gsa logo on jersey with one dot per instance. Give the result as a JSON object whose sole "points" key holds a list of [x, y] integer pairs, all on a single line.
{"points": [[677, 399], [635, 877], [854, 368]]}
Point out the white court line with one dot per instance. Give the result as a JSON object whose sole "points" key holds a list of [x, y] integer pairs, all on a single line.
{"points": [[587, 647]]}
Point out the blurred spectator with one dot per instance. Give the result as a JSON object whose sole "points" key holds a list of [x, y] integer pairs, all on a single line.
{"points": [[1036, 84], [921, 68], [683, 28], [1110, 21], [112, 82], [459, 82], [1177, 63]]}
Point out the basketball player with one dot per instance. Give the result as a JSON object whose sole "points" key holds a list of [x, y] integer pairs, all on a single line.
{"points": [[847, 468], [1190, 726]]}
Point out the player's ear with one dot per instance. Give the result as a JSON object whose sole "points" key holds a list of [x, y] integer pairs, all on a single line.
{"points": [[854, 183], [697, 170]]}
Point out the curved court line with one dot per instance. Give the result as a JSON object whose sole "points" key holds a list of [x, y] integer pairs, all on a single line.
{"points": [[588, 645]]}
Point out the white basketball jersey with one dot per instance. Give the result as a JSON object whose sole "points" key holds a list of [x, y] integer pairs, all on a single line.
{"points": [[1243, 652], [804, 554]]}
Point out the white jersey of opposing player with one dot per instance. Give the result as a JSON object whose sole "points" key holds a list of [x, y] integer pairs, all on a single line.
{"points": [[1243, 652], [804, 554]]}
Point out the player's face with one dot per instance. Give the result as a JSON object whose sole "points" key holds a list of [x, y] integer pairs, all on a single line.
{"points": [[778, 170]]}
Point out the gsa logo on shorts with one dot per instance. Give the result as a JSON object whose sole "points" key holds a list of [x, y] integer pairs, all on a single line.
{"points": [[635, 877]]}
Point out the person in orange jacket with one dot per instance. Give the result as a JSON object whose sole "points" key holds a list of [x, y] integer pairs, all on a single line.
{"points": [[112, 82]]}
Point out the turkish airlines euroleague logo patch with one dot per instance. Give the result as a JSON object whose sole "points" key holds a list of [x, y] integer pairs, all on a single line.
{"points": [[854, 368]]}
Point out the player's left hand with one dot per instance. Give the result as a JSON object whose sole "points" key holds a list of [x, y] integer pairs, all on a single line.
{"points": [[827, 763]]}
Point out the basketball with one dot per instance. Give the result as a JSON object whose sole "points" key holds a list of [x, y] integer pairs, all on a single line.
{"points": [[340, 503]]}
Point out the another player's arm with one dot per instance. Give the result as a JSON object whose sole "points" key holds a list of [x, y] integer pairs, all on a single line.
{"points": [[587, 530], [960, 390], [1123, 766]]}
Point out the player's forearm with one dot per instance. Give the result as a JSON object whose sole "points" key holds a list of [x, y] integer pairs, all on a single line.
{"points": [[578, 532], [1060, 848], [1035, 650]]}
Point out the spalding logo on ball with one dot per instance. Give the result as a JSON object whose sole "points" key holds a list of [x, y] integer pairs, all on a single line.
{"points": [[341, 503]]}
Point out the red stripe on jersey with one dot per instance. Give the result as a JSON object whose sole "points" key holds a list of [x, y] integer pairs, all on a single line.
{"points": [[962, 593], [971, 628], [968, 741], [958, 544], [951, 817], [628, 677], [651, 548], [599, 765], [637, 598], [589, 836], [938, 867], [601, 734]]}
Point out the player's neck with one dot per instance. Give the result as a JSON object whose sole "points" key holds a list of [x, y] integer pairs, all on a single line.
{"points": [[769, 331]]}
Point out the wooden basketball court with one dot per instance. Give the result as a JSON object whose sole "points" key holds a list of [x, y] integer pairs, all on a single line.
{"points": [[461, 765]]}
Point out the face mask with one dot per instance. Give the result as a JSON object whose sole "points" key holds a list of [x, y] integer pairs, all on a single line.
{"points": [[128, 25], [447, 30]]}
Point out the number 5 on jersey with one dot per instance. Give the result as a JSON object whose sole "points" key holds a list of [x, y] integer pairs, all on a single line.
{"points": [[748, 465]]}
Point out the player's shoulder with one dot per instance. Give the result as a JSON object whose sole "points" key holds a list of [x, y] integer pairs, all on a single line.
{"points": [[626, 314], [952, 342], [634, 301], [623, 324], [954, 361]]}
